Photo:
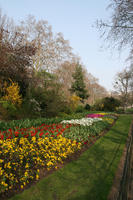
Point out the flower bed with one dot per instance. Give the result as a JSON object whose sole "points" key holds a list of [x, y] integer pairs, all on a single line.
{"points": [[87, 128], [21, 158], [94, 115], [85, 132], [109, 117], [24, 151], [83, 121], [40, 131]]}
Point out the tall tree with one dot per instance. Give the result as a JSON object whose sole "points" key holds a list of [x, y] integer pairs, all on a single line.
{"points": [[119, 30], [78, 86], [95, 90], [52, 49], [15, 54], [64, 73], [123, 85]]}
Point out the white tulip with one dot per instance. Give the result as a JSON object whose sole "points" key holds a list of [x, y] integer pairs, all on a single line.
{"points": [[83, 121]]}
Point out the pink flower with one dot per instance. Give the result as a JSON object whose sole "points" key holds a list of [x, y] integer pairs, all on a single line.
{"points": [[94, 115]]}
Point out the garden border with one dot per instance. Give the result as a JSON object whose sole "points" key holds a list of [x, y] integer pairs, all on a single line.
{"points": [[45, 173]]}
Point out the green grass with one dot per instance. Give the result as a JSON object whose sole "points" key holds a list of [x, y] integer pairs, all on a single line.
{"points": [[88, 178]]}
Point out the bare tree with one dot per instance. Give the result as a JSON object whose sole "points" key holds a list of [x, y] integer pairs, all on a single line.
{"points": [[52, 50], [119, 30], [15, 54], [95, 90], [122, 85]]}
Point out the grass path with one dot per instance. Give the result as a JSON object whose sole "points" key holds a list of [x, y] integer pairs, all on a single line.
{"points": [[88, 178]]}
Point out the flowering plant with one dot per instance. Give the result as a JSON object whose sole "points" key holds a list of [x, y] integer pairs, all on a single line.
{"points": [[21, 158], [83, 121], [94, 115]]}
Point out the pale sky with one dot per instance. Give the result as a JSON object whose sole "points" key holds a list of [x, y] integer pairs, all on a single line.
{"points": [[75, 18]]}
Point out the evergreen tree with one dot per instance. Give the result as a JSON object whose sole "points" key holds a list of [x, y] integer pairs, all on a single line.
{"points": [[78, 86]]}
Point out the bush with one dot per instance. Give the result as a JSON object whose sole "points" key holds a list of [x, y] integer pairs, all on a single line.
{"points": [[74, 102], [97, 106], [129, 110], [120, 111], [29, 109], [107, 104], [50, 100], [87, 107], [10, 100], [62, 114], [12, 93], [80, 109], [8, 110], [110, 104], [66, 109]]}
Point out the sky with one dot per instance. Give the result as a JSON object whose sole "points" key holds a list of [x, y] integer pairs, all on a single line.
{"points": [[76, 20]]}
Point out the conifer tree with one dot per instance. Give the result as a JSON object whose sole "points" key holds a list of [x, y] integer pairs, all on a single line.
{"points": [[78, 86]]}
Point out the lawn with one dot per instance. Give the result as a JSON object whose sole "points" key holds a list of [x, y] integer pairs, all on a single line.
{"points": [[88, 177]]}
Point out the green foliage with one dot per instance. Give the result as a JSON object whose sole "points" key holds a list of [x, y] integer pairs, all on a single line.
{"points": [[48, 94], [66, 109], [8, 110], [107, 104], [129, 110], [110, 103], [80, 109], [62, 114], [98, 105], [87, 107], [78, 86], [82, 133], [29, 109], [25, 123], [120, 111]]}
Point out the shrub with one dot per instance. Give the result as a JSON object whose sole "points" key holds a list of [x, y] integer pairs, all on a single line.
{"points": [[107, 104], [66, 108], [120, 110], [10, 110], [30, 109], [12, 93], [80, 109], [74, 101], [97, 106], [10, 101], [110, 104], [87, 107], [129, 110]]}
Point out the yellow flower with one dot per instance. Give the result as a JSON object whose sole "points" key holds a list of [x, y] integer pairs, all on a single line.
{"points": [[37, 177], [27, 165], [1, 161], [22, 186], [38, 152], [12, 93]]}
